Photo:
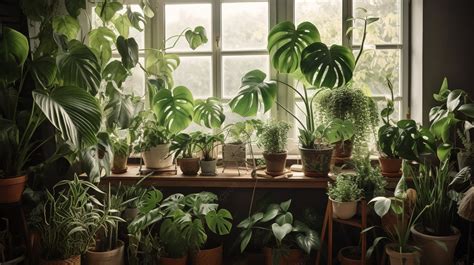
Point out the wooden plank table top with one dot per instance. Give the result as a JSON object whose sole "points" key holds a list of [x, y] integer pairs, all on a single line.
{"points": [[229, 179]]}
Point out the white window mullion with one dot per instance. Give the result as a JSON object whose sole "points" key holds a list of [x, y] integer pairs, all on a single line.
{"points": [[216, 48]]}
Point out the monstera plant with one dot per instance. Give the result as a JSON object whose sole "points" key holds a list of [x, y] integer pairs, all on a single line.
{"points": [[71, 109], [299, 52]]}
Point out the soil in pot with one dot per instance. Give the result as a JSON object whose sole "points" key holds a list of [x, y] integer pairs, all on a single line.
{"points": [[119, 164], [290, 257], [391, 167], [436, 250], [189, 166], [211, 256], [316, 162], [158, 157], [275, 163], [208, 168], [349, 256], [397, 258], [11, 189], [70, 261], [343, 210], [173, 261], [111, 257]]}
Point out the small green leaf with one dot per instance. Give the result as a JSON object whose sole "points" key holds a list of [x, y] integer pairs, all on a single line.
{"points": [[196, 37], [272, 211], [286, 218], [467, 109], [174, 109], [281, 231], [381, 206], [285, 205], [444, 152], [128, 49], [246, 235], [454, 99], [136, 19], [66, 25], [122, 24], [443, 91], [106, 10]]}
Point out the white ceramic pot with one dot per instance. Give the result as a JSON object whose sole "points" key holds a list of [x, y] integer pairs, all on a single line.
{"points": [[344, 210], [208, 168], [158, 157]]}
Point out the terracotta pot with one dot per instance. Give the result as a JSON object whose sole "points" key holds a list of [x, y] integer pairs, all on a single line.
{"points": [[433, 248], [343, 149], [119, 164], [254, 258], [391, 167], [111, 257], [212, 256], [344, 210], [293, 257], [397, 258], [11, 189], [316, 162], [173, 261], [275, 163], [158, 157], [189, 166], [349, 256], [208, 168], [76, 260], [234, 152]]}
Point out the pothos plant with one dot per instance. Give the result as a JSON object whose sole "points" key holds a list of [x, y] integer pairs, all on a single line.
{"points": [[299, 52]]}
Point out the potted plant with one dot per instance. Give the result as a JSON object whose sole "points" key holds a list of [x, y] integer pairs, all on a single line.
{"points": [[368, 178], [344, 194], [174, 244], [401, 214], [63, 106], [154, 144], [121, 151], [273, 137], [184, 146], [340, 134], [288, 238], [208, 143], [299, 51], [108, 249], [69, 222], [238, 136]]}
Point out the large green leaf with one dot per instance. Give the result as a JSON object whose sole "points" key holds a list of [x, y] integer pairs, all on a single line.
{"points": [[328, 68], [162, 65], [467, 109], [245, 237], [119, 110], [66, 25], [79, 67], [107, 9], [254, 92], [196, 37], [286, 44], [44, 71], [73, 111], [219, 221], [136, 19], [115, 71], [128, 49], [101, 40], [122, 24], [209, 113], [14, 50], [174, 109], [195, 234], [381, 205]]}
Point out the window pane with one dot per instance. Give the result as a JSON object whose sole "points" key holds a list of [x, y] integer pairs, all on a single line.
{"points": [[372, 69], [136, 82], [235, 67], [388, 28], [194, 72], [325, 14], [244, 25], [178, 17]]}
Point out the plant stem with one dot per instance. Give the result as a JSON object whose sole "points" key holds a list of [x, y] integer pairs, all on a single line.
{"points": [[362, 44]]}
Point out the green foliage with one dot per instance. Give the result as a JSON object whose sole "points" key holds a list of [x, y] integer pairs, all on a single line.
{"points": [[349, 105], [151, 134], [282, 229], [66, 25], [368, 178], [345, 189], [254, 92], [196, 37], [106, 10], [242, 132], [273, 136], [100, 41], [207, 143], [388, 134], [128, 49], [13, 54], [120, 146], [184, 145], [174, 108], [336, 131], [209, 113]]}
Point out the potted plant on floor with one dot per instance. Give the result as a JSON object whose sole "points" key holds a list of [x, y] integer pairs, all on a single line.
{"points": [[344, 194], [208, 143], [184, 147], [273, 137], [173, 242], [340, 134], [69, 222], [401, 213], [288, 238], [63, 106], [298, 51]]}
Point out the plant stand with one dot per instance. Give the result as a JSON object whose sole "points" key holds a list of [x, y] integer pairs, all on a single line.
{"points": [[355, 222], [15, 211]]}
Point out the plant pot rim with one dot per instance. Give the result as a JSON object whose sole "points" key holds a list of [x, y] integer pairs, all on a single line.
{"points": [[391, 247], [120, 243], [275, 153], [189, 158], [203, 160], [324, 147], [389, 158], [64, 259], [234, 143], [14, 180], [415, 230], [333, 200], [180, 258]]}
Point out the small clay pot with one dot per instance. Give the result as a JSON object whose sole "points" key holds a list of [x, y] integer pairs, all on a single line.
{"points": [[212, 256], [275, 163], [397, 258], [391, 167], [173, 261], [349, 256], [189, 166], [119, 164], [111, 257], [11, 189]]}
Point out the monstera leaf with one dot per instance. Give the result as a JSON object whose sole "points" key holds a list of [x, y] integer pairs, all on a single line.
{"points": [[101, 40], [328, 68], [114, 71], [209, 113], [196, 37], [174, 109], [286, 44], [128, 49], [106, 10], [136, 19], [79, 67], [253, 93], [219, 221], [162, 65], [14, 50], [119, 110], [73, 111], [67, 26]]}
